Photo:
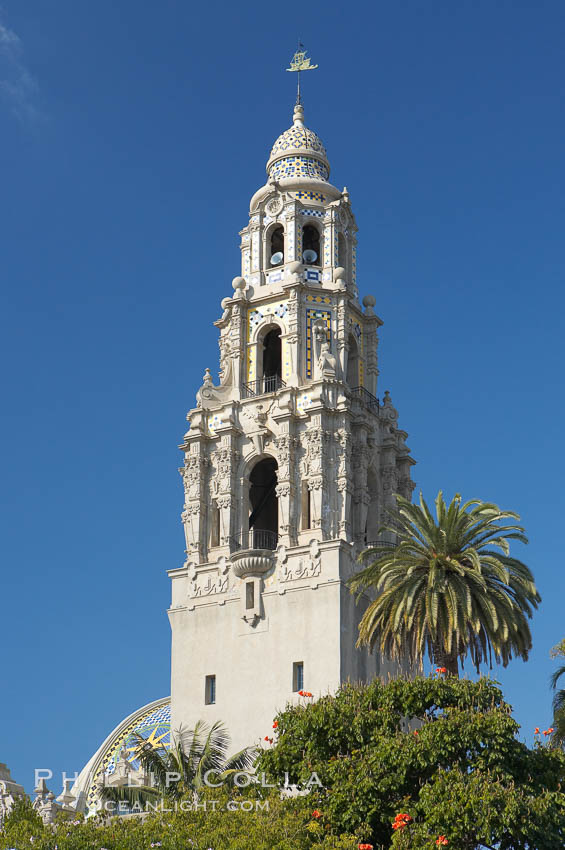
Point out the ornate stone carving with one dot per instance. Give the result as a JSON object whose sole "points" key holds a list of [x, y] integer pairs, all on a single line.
{"points": [[255, 562], [209, 581], [390, 479], [274, 206], [302, 567]]}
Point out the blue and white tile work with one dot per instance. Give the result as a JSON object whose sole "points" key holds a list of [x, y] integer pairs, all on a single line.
{"points": [[312, 274], [327, 246], [311, 196], [274, 277], [256, 316], [302, 402], [299, 166], [255, 250], [317, 213], [298, 137], [154, 726], [289, 239]]}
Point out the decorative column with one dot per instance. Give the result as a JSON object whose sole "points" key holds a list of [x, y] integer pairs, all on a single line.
{"points": [[225, 459], [286, 492], [194, 515], [370, 340], [345, 483], [315, 440]]}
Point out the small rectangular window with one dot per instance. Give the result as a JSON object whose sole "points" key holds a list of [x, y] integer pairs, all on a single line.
{"points": [[298, 676], [306, 507], [250, 595], [210, 690], [215, 526]]}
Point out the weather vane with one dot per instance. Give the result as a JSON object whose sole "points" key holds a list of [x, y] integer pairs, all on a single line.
{"points": [[300, 62]]}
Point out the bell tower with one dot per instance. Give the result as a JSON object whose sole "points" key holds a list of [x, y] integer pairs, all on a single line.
{"points": [[289, 461]]}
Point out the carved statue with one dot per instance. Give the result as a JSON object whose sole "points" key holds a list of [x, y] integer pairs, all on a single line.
{"points": [[327, 363]]}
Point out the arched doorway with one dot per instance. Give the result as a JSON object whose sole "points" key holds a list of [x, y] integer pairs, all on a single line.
{"points": [[263, 505], [272, 357]]}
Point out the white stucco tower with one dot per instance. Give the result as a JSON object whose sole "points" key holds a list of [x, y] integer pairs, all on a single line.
{"points": [[289, 462]]}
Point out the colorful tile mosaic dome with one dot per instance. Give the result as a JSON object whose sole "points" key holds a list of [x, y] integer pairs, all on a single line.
{"points": [[153, 724], [298, 152], [298, 138]]}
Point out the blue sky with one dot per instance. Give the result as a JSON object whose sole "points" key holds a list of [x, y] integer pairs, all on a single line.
{"points": [[132, 136]]}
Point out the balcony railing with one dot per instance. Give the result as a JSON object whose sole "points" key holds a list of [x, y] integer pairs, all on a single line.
{"points": [[261, 386], [367, 399], [255, 538]]}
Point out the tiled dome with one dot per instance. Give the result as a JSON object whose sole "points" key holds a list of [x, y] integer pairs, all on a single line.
{"points": [[298, 152], [152, 722]]}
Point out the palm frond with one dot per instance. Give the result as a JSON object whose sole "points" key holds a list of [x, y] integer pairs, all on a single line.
{"points": [[447, 584]]}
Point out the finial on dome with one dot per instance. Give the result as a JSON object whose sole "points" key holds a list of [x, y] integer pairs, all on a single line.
{"points": [[298, 117]]}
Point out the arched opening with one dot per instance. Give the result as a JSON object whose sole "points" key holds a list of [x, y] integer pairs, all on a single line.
{"points": [[341, 251], [352, 362], [311, 245], [276, 249], [263, 505], [272, 360]]}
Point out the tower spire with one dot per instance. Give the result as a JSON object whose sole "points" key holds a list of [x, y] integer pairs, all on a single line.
{"points": [[300, 62]]}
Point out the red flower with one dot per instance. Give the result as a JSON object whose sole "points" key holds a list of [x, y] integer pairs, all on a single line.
{"points": [[266, 738], [550, 730], [401, 820], [316, 814], [276, 724], [536, 730], [416, 732], [307, 694], [441, 669], [441, 840], [301, 693], [365, 847]]}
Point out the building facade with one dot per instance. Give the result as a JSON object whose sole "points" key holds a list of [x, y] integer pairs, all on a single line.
{"points": [[289, 462]]}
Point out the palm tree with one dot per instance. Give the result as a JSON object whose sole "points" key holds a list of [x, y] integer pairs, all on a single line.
{"points": [[197, 756], [447, 585], [559, 698]]}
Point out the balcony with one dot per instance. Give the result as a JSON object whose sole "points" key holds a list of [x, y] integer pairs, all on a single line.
{"points": [[252, 552], [366, 398], [254, 538], [262, 386]]}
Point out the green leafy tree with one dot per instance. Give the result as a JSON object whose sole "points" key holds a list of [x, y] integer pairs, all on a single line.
{"points": [[559, 698], [447, 585], [23, 823], [373, 765], [224, 818], [193, 756]]}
